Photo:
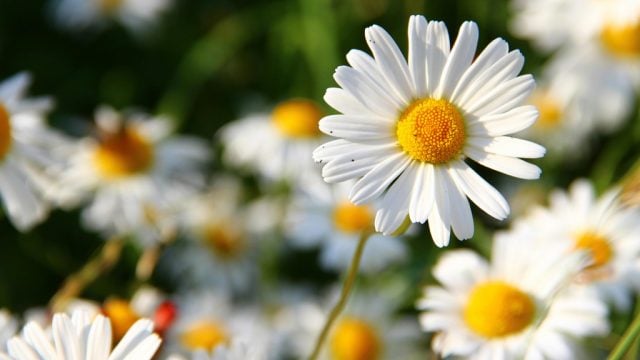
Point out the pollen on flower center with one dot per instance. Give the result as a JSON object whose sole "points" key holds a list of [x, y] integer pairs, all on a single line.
{"points": [[204, 335], [350, 218], [122, 154], [354, 339], [549, 110], [622, 40], [223, 240], [5, 131], [297, 118], [496, 309], [121, 315], [431, 131], [597, 246]]}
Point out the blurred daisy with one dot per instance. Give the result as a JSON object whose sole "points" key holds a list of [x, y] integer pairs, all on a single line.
{"points": [[512, 307], [206, 321], [81, 337], [330, 221], [407, 128], [368, 329], [277, 145], [604, 228], [8, 328], [236, 350], [137, 15], [132, 174], [221, 251], [27, 146]]}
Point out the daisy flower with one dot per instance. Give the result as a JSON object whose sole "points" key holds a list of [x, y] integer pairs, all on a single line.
{"points": [[221, 249], [408, 127], [80, 337], [27, 147], [328, 220], [137, 15], [206, 321], [276, 145], [513, 307], [133, 174], [368, 329], [608, 231]]}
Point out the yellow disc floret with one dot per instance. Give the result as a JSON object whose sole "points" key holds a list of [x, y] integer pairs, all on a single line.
{"points": [[431, 131], [297, 118], [597, 246], [549, 109], [124, 153], [496, 309], [121, 315], [204, 335], [622, 40], [5, 132], [355, 339], [350, 218], [223, 240]]}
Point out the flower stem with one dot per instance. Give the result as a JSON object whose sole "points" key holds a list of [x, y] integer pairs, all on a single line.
{"points": [[344, 296], [628, 338], [78, 281]]}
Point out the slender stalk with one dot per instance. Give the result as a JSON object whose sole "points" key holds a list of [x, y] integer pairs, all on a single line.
{"points": [[344, 296], [96, 266], [628, 338]]}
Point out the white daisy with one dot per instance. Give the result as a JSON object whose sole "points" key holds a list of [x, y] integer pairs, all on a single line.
{"points": [[603, 227], [27, 146], [81, 337], [368, 329], [513, 307], [137, 15], [220, 252], [133, 174], [328, 220], [206, 321], [276, 145], [408, 127]]}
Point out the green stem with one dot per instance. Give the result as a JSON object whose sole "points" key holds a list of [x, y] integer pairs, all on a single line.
{"points": [[627, 340], [344, 296]]}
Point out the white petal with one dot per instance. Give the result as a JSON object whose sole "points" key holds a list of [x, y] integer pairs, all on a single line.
{"points": [[374, 183], [136, 334], [461, 218], [458, 62], [504, 164], [509, 122], [508, 146], [366, 92], [393, 208], [145, 349], [344, 102], [14, 88], [417, 54], [438, 48], [364, 63], [504, 97], [422, 193], [485, 196], [356, 162], [327, 151], [20, 350], [355, 127], [99, 339], [492, 53], [34, 334], [65, 338], [440, 216], [390, 61]]}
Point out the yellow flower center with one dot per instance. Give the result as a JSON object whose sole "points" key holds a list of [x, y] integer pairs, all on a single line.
{"points": [[622, 40], [354, 339], [5, 131], [123, 154], [109, 6], [496, 309], [549, 110], [122, 316], [431, 131], [597, 246], [297, 118], [350, 218], [223, 240], [204, 335]]}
